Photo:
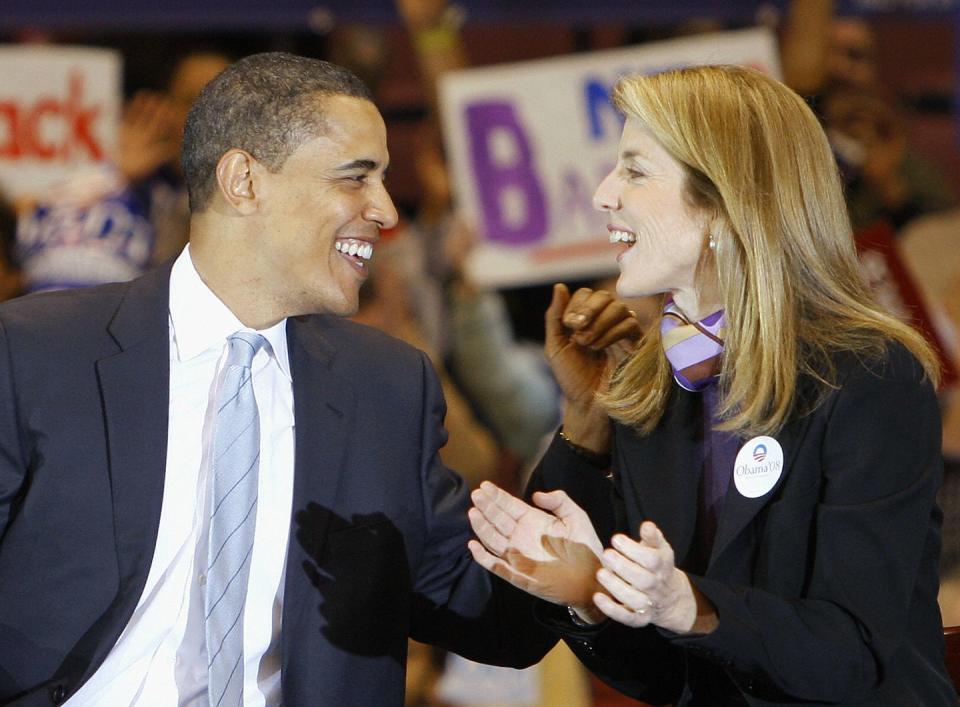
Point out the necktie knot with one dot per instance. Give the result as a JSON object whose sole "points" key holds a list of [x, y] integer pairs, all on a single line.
{"points": [[242, 347]]}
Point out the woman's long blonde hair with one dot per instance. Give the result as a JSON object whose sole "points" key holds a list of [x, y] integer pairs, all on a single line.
{"points": [[757, 160]]}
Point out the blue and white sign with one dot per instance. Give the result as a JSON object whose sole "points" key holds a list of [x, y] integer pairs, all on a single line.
{"points": [[528, 144]]}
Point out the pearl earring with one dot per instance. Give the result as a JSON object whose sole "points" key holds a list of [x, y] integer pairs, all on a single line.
{"points": [[712, 242]]}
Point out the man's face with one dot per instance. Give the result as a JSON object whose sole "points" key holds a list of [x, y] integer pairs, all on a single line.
{"points": [[323, 210]]}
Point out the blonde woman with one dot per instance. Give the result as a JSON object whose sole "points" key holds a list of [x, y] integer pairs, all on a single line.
{"points": [[760, 472]]}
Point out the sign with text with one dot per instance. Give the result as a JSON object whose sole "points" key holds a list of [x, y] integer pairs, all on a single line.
{"points": [[528, 143], [59, 108]]}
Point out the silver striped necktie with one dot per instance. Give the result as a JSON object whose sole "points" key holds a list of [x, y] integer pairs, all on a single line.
{"points": [[233, 519]]}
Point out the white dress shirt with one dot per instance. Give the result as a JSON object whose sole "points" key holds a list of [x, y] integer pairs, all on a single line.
{"points": [[161, 656]]}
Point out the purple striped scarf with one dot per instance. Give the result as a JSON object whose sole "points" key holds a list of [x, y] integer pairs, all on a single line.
{"points": [[693, 349]]}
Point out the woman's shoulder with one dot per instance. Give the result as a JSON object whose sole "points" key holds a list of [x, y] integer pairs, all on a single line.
{"points": [[883, 374], [889, 362]]}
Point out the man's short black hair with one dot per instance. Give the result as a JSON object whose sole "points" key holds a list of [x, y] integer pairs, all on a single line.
{"points": [[267, 104]]}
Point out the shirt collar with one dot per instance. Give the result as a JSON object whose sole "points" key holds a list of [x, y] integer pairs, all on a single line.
{"points": [[200, 321]]}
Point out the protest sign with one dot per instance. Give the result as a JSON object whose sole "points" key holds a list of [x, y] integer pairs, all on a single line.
{"points": [[528, 143], [58, 113]]}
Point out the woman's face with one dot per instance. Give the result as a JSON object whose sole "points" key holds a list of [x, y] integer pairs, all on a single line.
{"points": [[662, 233]]}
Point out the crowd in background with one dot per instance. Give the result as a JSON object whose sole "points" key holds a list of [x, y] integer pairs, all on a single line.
{"points": [[502, 403]]}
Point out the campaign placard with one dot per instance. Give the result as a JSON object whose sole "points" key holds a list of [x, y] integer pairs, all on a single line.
{"points": [[59, 108], [528, 143]]}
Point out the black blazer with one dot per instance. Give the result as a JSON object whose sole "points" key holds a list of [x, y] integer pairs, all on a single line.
{"points": [[378, 532], [825, 586]]}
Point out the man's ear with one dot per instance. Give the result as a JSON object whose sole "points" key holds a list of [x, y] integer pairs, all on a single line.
{"points": [[235, 180]]}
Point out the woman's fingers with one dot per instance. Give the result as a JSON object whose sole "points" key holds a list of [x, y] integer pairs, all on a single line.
{"points": [[641, 553], [496, 565], [559, 504], [494, 496], [618, 612], [630, 596], [651, 535], [495, 541], [498, 507], [628, 570]]}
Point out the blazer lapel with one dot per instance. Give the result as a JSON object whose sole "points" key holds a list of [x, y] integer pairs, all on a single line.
{"points": [[323, 401], [135, 387], [667, 486], [739, 510]]}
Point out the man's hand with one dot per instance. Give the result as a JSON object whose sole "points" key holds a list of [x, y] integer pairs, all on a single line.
{"points": [[147, 137], [553, 553]]}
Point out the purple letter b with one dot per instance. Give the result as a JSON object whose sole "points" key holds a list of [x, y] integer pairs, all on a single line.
{"points": [[511, 199]]}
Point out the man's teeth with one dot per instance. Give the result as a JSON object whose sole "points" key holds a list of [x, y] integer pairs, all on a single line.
{"points": [[364, 250], [622, 237]]}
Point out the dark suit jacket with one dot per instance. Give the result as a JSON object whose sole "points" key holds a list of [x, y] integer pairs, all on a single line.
{"points": [[825, 587], [378, 533]]}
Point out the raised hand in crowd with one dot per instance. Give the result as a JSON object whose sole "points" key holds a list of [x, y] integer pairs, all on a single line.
{"points": [[587, 335], [148, 135], [865, 121]]}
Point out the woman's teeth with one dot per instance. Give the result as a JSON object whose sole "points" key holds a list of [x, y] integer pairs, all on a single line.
{"points": [[622, 237], [360, 250]]}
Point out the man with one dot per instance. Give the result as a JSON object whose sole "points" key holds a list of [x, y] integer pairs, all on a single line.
{"points": [[129, 429]]}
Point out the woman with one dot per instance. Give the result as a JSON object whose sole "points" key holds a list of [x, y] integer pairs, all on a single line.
{"points": [[772, 447]]}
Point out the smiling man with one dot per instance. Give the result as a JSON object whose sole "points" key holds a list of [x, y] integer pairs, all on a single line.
{"points": [[215, 490]]}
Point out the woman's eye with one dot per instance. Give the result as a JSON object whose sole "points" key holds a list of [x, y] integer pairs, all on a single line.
{"points": [[635, 173]]}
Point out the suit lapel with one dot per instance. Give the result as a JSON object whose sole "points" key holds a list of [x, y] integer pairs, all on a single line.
{"points": [[135, 389], [135, 392], [323, 401], [738, 510], [667, 486]]}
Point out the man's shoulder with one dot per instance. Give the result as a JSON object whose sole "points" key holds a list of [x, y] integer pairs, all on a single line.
{"points": [[69, 311], [364, 344], [62, 308]]}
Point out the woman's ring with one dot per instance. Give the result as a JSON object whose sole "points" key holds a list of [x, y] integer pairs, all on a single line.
{"points": [[651, 604], [644, 609]]}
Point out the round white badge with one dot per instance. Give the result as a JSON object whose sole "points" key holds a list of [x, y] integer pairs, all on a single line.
{"points": [[758, 466]]}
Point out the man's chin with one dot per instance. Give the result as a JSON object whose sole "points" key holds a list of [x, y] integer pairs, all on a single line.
{"points": [[345, 306]]}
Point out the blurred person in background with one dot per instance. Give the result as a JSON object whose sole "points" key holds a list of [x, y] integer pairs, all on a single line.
{"points": [[110, 224], [508, 382], [833, 61], [151, 134], [743, 509], [11, 279]]}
